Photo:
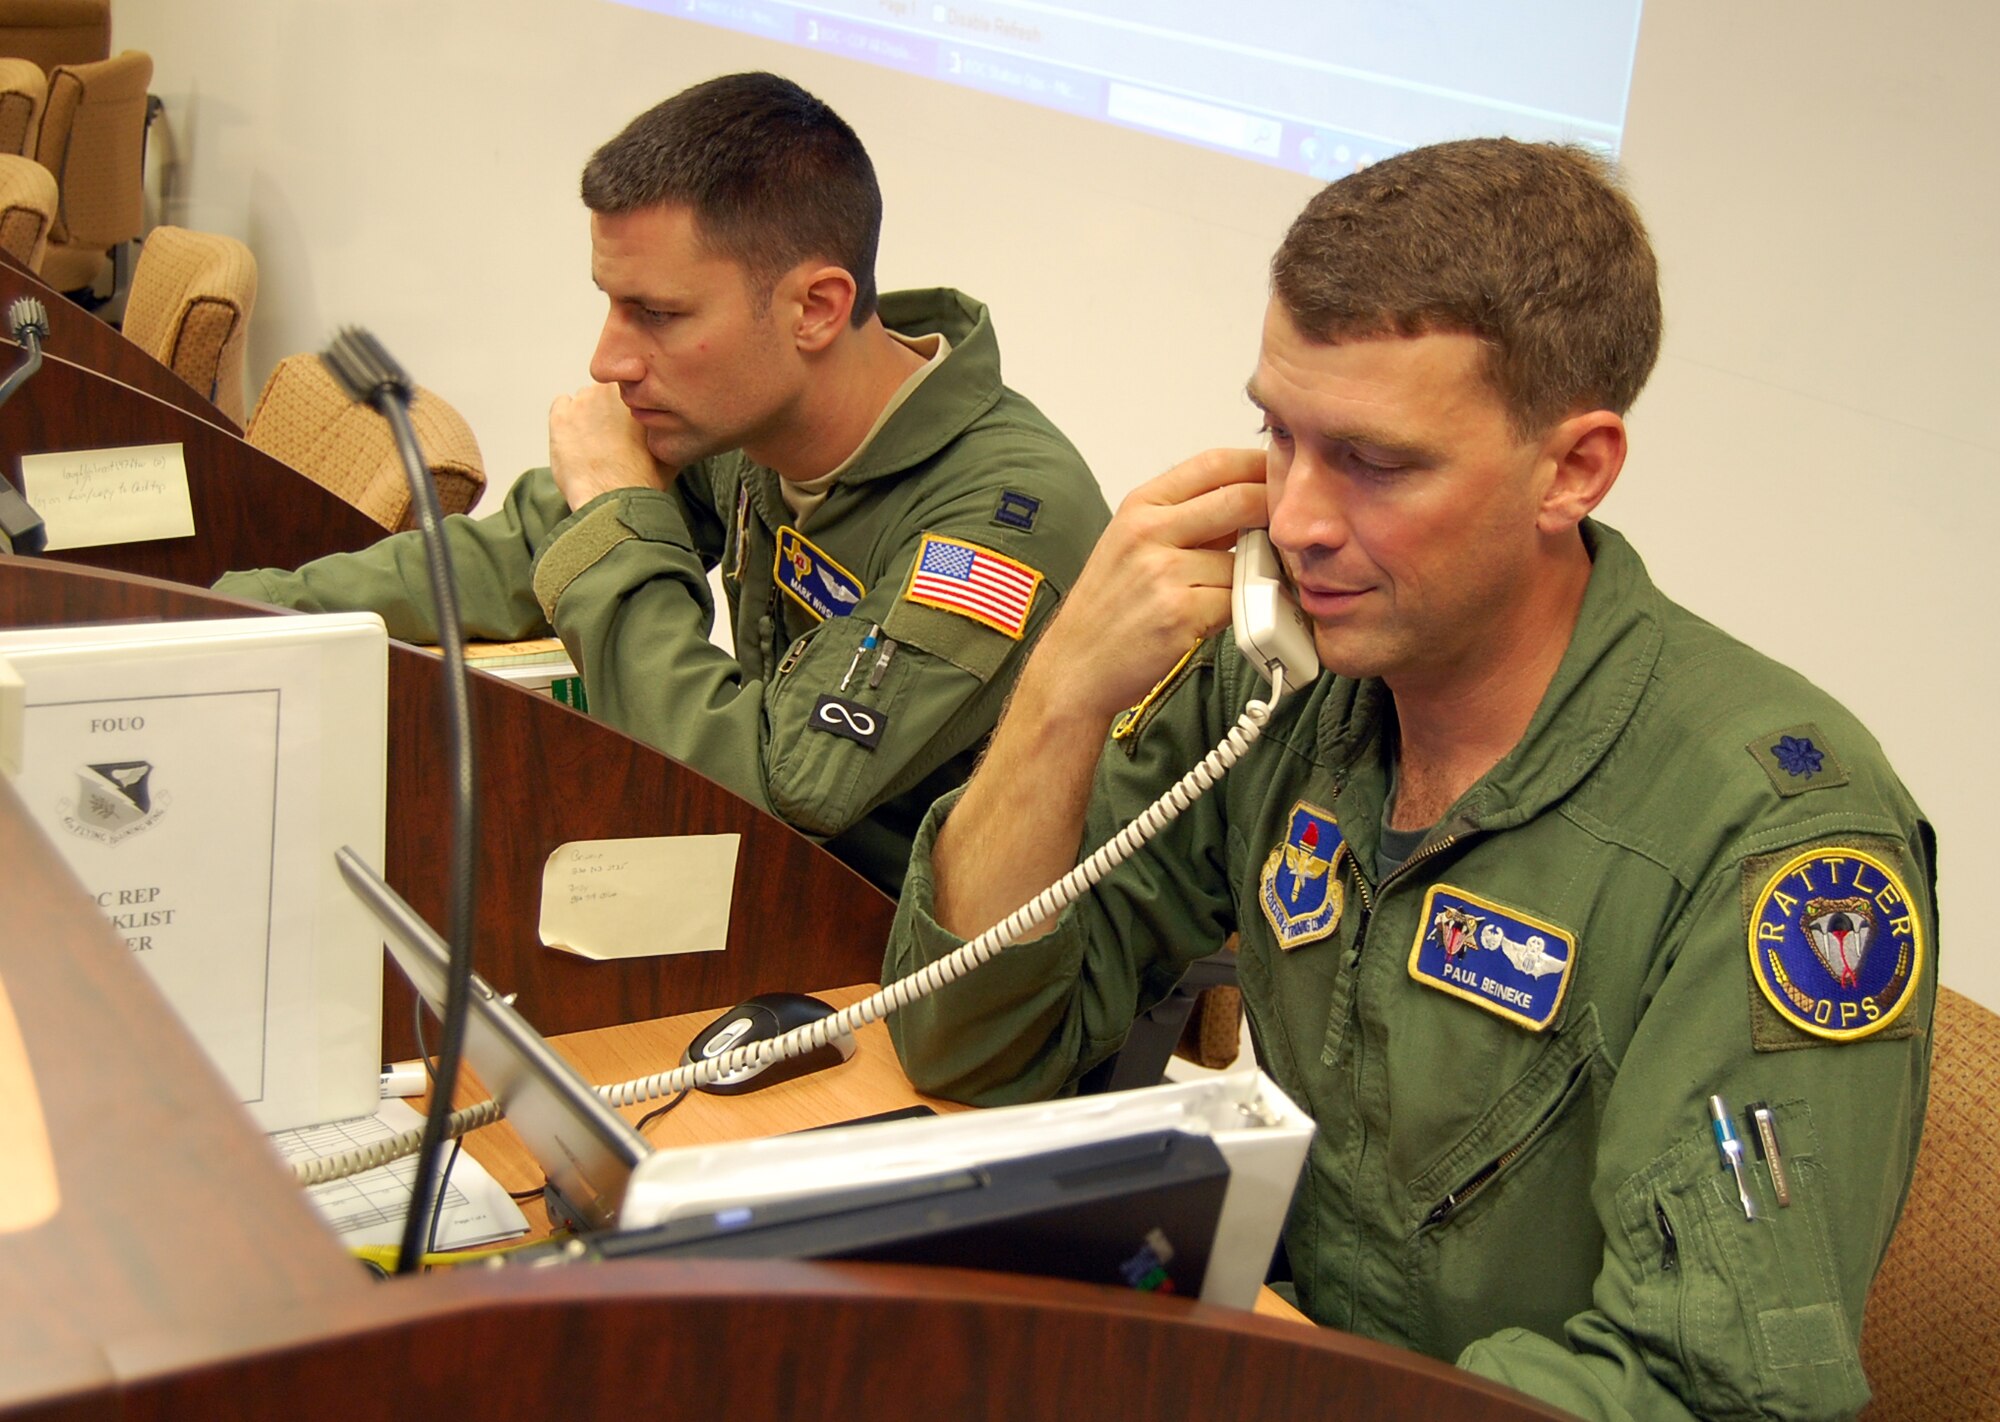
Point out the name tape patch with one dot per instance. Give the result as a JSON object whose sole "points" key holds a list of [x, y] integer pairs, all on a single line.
{"points": [[813, 580], [1512, 964], [1836, 945], [1300, 888]]}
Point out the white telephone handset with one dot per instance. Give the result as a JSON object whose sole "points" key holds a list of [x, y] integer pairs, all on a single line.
{"points": [[1269, 626]]}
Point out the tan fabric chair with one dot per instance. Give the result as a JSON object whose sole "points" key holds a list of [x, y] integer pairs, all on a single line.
{"points": [[53, 32], [27, 209], [24, 91], [189, 309], [93, 138], [1930, 1339], [306, 420]]}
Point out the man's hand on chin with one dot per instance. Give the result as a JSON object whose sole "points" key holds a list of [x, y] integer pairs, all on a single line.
{"points": [[596, 446]]}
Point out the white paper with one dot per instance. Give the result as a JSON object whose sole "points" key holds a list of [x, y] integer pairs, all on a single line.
{"points": [[88, 497], [198, 777], [180, 855], [369, 1208], [639, 898]]}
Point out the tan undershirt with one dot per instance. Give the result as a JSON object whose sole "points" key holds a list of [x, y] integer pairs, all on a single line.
{"points": [[803, 497]]}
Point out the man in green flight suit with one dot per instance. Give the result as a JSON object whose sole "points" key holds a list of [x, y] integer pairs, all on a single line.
{"points": [[892, 523], [1542, 865]]}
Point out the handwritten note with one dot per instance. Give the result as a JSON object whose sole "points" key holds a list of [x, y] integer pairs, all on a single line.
{"points": [[639, 898], [89, 497]]}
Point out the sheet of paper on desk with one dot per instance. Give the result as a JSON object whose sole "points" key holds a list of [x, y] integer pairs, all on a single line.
{"points": [[89, 497], [639, 898], [368, 1208]]}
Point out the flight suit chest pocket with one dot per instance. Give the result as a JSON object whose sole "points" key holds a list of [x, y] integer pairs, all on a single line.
{"points": [[1501, 1229]]}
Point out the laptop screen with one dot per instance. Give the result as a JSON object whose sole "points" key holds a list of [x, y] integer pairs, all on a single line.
{"points": [[586, 1149]]}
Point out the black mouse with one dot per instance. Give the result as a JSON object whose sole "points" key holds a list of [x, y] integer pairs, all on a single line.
{"points": [[757, 1019]]}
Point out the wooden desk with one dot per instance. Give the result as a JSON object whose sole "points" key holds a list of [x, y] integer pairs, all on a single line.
{"points": [[869, 1082], [546, 775]]}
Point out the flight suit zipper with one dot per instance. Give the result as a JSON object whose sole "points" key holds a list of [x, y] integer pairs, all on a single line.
{"points": [[1481, 1178]]}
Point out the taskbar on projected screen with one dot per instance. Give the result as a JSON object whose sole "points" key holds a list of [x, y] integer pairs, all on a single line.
{"points": [[908, 40]]}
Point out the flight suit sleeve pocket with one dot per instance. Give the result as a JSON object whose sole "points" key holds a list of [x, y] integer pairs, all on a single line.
{"points": [[1744, 1315]]}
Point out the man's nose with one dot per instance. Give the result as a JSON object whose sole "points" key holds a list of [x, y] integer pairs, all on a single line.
{"points": [[1306, 505], [616, 361]]}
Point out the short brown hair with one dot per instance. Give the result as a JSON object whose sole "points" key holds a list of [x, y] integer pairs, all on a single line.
{"points": [[772, 175], [1530, 247]]}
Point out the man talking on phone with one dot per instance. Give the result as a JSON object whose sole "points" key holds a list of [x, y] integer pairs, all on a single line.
{"points": [[1540, 878]]}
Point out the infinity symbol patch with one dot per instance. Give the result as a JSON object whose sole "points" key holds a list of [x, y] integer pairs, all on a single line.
{"points": [[850, 720]]}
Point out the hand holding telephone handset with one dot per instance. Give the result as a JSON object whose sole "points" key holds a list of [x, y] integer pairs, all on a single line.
{"points": [[1269, 626], [1277, 640]]}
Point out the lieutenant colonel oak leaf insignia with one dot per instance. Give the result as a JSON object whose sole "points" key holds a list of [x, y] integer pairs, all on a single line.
{"points": [[1836, 945], [1512, 964], [1300, 888], [973, 582], [1798, 759]]}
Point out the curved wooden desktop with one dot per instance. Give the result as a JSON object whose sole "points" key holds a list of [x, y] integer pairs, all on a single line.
{"points": [[250, 511], [77, 336], [183, 1275], [546, 775]]}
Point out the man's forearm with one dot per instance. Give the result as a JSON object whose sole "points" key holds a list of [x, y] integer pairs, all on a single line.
{"points": [[1017, 827], [1157, 582]]}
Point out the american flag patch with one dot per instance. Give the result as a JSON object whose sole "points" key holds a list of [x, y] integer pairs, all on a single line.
{"points": [[975, 582]]}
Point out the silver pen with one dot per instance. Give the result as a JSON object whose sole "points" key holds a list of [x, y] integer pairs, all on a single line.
{"points": [[1766, 1141]]}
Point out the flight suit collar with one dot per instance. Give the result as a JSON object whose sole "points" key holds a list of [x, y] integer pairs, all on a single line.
{"points": [[965, 385], [1589, 702]]}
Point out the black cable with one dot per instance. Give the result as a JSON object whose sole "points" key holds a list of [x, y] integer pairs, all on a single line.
{"points": [[652, 1116], [444, 1181], [368, 372], [444, 1189]]}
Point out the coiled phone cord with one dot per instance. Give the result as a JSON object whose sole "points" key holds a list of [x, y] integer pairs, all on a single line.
{"points": [[899, 994]]}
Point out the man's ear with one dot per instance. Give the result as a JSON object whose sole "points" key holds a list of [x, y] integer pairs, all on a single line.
{"points": [[824, 297], [1582, 457]]}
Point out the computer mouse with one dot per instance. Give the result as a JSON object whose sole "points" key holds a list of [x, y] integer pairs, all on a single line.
{"points": [[757, 1019]]}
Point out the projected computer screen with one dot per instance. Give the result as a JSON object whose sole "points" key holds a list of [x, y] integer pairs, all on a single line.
{"points": [[1317, 86]]}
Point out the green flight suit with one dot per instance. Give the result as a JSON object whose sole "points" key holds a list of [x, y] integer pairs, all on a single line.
{"points": [[623, 581], [1545, 1206]]}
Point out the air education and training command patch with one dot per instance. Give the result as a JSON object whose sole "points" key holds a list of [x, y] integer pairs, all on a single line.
{"points": [[1836, 945], [814, 581], [1513, 965], [1300, 887]]}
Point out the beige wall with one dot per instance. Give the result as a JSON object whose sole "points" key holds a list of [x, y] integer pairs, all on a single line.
{"points": [[1814, 465]]}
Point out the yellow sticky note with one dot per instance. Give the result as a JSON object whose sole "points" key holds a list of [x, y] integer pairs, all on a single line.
{"points": [[89, 497], [639, 898]]}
